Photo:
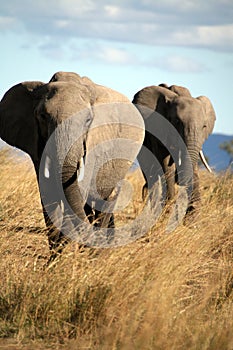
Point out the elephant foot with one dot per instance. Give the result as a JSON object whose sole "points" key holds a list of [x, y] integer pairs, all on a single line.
{"points": [[192, 214], [57, 242], [57, 250], [53, 259]]}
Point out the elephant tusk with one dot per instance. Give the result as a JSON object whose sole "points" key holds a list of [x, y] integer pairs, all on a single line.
{"points": [[204, 161], [62, 207], [46, 167], [179, 158], [81, 170]]}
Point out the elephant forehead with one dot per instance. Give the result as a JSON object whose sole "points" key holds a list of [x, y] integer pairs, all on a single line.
{"points": [[186, 107], [66, 76], [63, 100], [71, 77]]}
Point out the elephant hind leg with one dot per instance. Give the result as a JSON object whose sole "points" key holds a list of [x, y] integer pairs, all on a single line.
{"points": [[104, 220], [90, 213], [98, 218]]}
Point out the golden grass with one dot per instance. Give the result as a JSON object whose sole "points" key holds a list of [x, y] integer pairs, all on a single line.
{"points": [[164, 291]]}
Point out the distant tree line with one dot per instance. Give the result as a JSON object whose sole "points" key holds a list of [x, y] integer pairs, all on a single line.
{"points": [[228, 147]]}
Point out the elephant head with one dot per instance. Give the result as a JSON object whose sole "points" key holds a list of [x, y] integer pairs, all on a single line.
{"points": [[68, 127], [192, 118]]}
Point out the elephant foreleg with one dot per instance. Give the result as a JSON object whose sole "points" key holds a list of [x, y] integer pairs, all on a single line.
{"points": [[195, 201], [52, 211], [104, 218], [196, 196], [169, 173], [56, 239]]}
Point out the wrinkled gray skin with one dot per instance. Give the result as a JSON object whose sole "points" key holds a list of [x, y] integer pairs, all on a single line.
{"points": [[194, 120], [30, 113]]}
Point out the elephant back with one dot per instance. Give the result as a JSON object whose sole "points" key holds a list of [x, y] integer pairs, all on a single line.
{"points": [[107, 95]]}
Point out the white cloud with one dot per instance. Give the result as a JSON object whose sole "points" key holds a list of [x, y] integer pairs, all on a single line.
{"points": [[215, 37], [7, 22], [74, 8], [219, 36], [101, 53], [179, 64], [189, 23], [112, 11], [113, 55]]}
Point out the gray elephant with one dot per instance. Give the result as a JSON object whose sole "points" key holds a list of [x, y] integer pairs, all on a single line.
{"points": [[82, 139], [177, 148]]}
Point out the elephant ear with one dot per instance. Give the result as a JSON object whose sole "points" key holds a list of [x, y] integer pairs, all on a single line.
{"points": [[210, 116], [18, 125], [155, 98]]}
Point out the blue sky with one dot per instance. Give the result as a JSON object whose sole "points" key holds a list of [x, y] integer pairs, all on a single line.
{"points": [[123, 44]]}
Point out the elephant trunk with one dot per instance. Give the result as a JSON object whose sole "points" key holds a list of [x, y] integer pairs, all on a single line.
{"points": [[73, 196], [74, 205], [187, 163], [189, 175]]}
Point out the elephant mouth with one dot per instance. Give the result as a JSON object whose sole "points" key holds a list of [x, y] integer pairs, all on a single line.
{"points": [[79, 175], [202, 158]]}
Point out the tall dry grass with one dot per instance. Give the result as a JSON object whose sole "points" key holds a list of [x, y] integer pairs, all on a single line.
{"points": [[164, 291]]}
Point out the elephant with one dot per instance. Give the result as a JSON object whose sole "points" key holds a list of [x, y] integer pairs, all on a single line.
{"points": [[177, 138], [82, 139]]}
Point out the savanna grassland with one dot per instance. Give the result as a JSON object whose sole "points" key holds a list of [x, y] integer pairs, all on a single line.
{"points": [[163, 291]]}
